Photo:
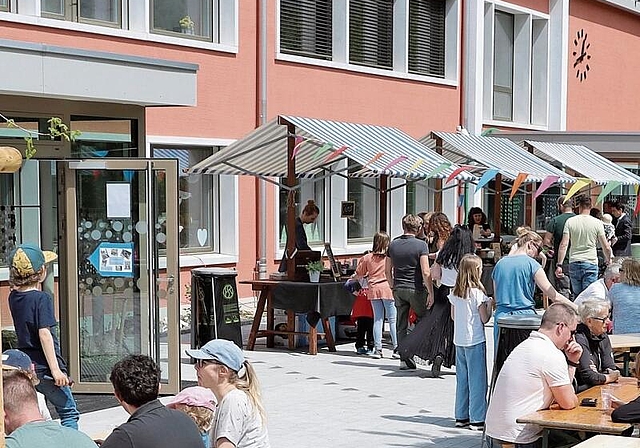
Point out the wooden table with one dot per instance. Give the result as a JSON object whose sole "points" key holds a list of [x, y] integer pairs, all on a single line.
{"points": [[625, 343], [326, 298], [608, 441], [583, 418]]}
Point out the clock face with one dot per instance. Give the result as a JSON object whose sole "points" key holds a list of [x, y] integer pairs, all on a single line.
{"points": [[581, 55]]}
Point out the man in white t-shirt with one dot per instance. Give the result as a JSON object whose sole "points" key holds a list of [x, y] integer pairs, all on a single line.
{"points": [[600, 290], [535, 375]]}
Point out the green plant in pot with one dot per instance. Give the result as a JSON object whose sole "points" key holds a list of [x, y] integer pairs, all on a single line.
{"points": [[314, 268], [187, 25]]}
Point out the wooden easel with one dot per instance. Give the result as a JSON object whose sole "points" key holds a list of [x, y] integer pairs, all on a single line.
{"points": [[335, 269]]}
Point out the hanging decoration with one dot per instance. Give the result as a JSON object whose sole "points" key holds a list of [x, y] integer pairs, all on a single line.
{"points": [[437, 170], [521, 177], [322, 150], [336, 153], [637, 209], [486, 178], [414, 167], [394, 162], [375, 158], [577, 186], [457, 171], [546, 183], [612, 185], [299, 140]]}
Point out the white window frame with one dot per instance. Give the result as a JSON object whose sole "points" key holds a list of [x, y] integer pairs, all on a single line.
{"points": [[340, 38], [229, 242], [136, 22], [531, 78]]}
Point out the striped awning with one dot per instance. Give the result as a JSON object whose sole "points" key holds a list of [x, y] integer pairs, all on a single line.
{"points": [[494, 153], [263, 152], [584, 161], [181, 154]]}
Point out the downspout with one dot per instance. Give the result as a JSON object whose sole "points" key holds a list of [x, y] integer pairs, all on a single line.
{"points": [[262, 119]]}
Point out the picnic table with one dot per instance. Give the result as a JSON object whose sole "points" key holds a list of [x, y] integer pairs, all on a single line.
{"points": [[625, 344]]}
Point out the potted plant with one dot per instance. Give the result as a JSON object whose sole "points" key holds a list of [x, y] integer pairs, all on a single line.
{"points": [[314, 268], [187, 26]]}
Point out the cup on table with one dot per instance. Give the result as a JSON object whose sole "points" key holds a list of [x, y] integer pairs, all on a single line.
{"points": [[605, 397]]}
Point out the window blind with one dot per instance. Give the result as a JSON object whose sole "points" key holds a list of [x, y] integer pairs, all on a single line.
{"points": [[427, 37], [305, 28], [371, 33]]}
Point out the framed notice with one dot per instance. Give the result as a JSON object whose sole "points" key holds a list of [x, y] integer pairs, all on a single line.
{"points": [[347, 209], [335, 269]]}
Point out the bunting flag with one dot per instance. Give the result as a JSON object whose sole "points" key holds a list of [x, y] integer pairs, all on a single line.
{"points": [[394, 162], [637, 209], [612, 185], [486, 178], [437, 170], [378, 156], [516, 184], [322, 150], [457, 171], [546, 183], [299, 140], [577, 186], [415, 166], [336, 153]]}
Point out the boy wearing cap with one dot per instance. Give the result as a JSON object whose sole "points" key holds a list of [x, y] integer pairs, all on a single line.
{"points": [[34, 320], [240, 419]]}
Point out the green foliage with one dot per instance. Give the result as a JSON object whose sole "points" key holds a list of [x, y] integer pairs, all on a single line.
{"points": [[57, 129], [315, 266]]}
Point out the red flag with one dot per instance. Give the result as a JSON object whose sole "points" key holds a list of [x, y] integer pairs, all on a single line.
{"points": [[458, 171], [336, 153]]}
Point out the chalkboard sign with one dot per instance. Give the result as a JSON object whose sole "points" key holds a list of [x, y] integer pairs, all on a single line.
{"points": [[335, 269], [347, 209]]}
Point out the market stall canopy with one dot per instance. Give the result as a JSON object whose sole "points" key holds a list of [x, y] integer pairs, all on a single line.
{"points": [[583, 160], [500, 154], [380, 150]]}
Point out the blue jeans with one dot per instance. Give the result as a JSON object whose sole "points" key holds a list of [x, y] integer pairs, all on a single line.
{"points": [[62, 400], [379, 308], [582, 274], [471, 383]]}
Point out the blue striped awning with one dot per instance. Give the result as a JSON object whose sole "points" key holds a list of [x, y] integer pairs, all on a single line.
{"points": [[584, 161], [495, 153], [181, 154], [263, 152]]}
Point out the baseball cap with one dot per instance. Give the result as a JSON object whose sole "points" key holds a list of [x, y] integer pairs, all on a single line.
{"points": [[17, 359], [194, 396], [27, 259], [223, 351]]}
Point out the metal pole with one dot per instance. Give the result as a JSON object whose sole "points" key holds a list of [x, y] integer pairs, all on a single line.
{"points": [[262, 119]]}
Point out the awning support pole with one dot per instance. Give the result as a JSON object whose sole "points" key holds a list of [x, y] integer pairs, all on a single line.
{"points": [[290, 248], [384, 198], [437, 197], [496, 206]]}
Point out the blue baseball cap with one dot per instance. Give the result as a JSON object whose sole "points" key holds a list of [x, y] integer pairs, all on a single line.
{"points": [[223, 351], [17, 359], [27, 259]]}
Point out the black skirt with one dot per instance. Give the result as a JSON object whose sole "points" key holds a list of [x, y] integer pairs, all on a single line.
{"points": [[433, 334]]}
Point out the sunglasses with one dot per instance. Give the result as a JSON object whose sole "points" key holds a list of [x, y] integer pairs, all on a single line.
{"points": [[200, 363], [602, 319], [573, 332]]}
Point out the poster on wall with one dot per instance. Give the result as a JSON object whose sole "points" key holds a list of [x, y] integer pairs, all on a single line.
{"points": [[113, 259], [118, 200]]}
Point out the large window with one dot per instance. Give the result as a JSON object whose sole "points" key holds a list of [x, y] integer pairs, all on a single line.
{"points": [[419, 196], [198, 200], [101, 11], [364, 192], [4, 5], [426, 37], [306, 28], [308, 190], [406, 38], [187, 17], [516, 66], [371, 33], [104, 137]]}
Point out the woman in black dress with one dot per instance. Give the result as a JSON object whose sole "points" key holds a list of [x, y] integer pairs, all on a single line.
{"points": [[432, 338]]}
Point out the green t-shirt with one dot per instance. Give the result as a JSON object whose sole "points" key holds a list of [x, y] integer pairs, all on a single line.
{"points": [[556, 227], [583, 231], [49, 434]]}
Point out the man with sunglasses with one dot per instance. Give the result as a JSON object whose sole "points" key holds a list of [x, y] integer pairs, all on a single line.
{"points": [[537, 373]]}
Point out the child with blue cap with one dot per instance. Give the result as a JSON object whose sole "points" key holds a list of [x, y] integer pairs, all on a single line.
{"points": [[35, 322]]}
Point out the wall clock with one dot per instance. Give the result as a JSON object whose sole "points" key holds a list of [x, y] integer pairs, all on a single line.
{"points": [[581, 55]]}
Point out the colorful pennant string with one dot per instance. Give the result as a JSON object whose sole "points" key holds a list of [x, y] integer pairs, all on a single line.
{"points": [[577, 186], [322, 150], [336, 153], [414, 167], [612, 185], [364, 168], [437, 170], [299, 140], [637, 209], [394, 162], [457, 171], [546, 183], [486, 178], [521, 177]]}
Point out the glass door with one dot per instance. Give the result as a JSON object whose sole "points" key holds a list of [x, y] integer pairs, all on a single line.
{"points": [[121, 250]]}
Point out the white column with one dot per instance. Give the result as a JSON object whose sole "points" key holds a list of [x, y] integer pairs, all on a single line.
{"points": [[473, 60], [558, 60]]}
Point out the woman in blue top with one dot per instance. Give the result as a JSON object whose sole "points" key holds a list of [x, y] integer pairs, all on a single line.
{"points": [[625, 298], [515, 278]]}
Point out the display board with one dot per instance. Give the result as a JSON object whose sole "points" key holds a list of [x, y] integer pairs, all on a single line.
{"points": [[335, 268]]}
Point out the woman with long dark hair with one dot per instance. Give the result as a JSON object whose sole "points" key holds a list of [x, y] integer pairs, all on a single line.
{"points": [[477, 223], [432, 339]]}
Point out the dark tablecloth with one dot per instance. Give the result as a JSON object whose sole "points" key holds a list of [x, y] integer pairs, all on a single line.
{"points": [[302, 297]]}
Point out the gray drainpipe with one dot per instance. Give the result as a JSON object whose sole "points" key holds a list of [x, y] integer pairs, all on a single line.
{"points": [[262, 108]]}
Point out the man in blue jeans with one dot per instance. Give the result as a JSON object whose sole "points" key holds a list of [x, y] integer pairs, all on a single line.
{"points": [[35, 324], [584, 232]]}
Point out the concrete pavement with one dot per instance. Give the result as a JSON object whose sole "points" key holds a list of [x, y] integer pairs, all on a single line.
{"points": [[341, 399]]}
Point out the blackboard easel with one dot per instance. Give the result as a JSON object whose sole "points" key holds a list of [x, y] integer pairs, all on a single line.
{"points": [[335, 269]]}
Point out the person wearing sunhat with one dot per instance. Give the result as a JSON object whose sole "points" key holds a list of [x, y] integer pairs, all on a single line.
{"points": [[240, 419], [35, 322], [199, 403]]}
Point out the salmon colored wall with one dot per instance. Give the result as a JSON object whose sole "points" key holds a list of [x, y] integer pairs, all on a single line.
{"points": [[607, 100]]}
